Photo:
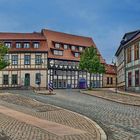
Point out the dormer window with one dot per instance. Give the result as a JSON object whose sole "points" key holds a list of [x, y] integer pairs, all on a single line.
{"points": [[73, 48], [65, 46], [56, 52], [7, 44], [76, 54], [57, 45], [26, 45], [36, 45], [18, 45], [80, 48]]}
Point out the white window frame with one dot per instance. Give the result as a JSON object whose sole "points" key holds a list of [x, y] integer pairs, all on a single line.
{"points": [[36, 45], [14, 61], [57, 45], [18, 45], [26, 45], [7, 44], [65, 46], [80, 48], [73, 48], [76, 55]]}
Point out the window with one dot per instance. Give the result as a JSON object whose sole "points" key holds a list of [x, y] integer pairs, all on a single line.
{"points": [[137, 80], [80, 48], [130, 79], [60, 52], [76, 54], [136, 51], [7, 44], [18, 45], [27, 59], [36, 45], [14, 59], [38, 78], [57, 45], [26, 45], [14, 79], [129, 55], [6, 57], [111, 80], [73, 48], [38, 60], [5, 79], [65, 46], [56, 52], [107, 80]]}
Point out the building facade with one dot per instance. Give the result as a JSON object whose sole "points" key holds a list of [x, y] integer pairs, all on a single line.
{"points": [[63, 58], [128, 59], [37, 59], [109, 78], [28, 60]]}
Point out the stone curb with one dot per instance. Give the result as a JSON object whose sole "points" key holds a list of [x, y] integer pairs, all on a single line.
{"points": [[103, 135], [83, 92], [44, 92]]}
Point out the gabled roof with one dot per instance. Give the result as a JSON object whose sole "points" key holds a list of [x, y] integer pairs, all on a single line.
{"points": [[65, 38], [126, 39], [68, 38], [110, 69]]}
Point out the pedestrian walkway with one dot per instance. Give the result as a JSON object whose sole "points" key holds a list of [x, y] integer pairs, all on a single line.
{"points": [[52, 127], [111, 95], [24, 118], [126, 92]]}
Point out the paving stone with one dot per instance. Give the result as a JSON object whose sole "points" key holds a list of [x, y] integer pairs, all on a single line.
{"points": [[20, 130]]}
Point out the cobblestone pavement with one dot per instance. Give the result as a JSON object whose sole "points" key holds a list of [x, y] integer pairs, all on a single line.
{"points": [[17, 130], [128, 98], [120, 122]]}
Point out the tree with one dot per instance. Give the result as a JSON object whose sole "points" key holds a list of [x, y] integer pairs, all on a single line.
{"points": [[90, 62], [3, 51]]}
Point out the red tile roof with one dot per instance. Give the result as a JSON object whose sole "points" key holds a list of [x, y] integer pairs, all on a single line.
{"points": [[110, 69], [21, 36], [64, 38]]}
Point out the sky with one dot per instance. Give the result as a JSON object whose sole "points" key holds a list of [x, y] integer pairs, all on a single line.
{"points": [[106, 21]]}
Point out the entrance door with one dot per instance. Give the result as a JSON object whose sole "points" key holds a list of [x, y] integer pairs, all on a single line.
{"points": [[55, 83], [60, 84], [64, 84], [27, 80]]}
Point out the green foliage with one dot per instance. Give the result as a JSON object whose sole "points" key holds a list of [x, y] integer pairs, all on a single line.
{"points": [[90, 62], [3, 51]]}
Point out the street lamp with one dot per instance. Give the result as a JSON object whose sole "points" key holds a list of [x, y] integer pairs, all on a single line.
{"points": [[114, 63]]}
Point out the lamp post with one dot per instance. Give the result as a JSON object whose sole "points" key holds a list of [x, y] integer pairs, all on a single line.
{"points": [[114, 63]]}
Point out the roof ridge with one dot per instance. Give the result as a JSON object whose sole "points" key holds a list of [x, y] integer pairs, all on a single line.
{"points": [[20, 33], [132, 31], [68, 33]]}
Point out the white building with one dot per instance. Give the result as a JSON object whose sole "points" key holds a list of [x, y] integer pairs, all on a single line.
{"points": [[128, 62]]}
